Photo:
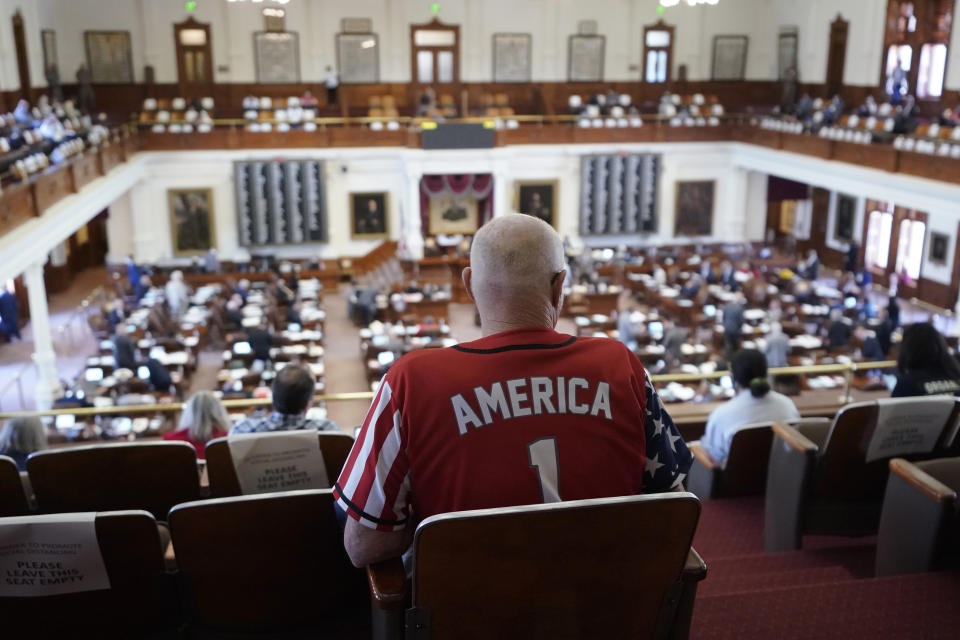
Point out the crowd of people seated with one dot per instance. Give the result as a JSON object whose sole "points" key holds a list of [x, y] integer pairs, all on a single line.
{"points": [[34, 138]]}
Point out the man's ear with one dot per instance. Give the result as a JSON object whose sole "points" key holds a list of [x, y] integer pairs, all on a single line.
{"points": [[556, 290], [467, 276]]}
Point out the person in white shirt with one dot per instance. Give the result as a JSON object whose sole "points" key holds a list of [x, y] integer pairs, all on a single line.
{"points": [[755, 402], [778, 346], [177, 296], [332, 82]]}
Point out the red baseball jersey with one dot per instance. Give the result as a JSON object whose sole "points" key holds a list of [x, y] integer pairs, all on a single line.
{"points": [[519, 417]]}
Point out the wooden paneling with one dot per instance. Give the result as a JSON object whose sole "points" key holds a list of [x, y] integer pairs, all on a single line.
{"points": [[936, 293], [809, 145], [927, 166], [111, 156], [85, 168], [51, 186], [17, 206], [366, 137], [876, 156], [758, 136]]}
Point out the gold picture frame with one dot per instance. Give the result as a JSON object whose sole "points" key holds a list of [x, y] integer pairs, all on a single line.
{"points": [[373, 222], [192, 230], [524, 192]]}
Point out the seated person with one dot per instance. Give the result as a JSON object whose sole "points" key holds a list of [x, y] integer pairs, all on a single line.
{"points": [[838, 331], [778, 347], [755, 402], [691, 287], [810, 268], [925, 366], [9, 315], [870, 348], [160, 379], [260, 340], [458, 427], [292, 395], [117, 314], [20, 437], [232, 315], [203, 419], [124, 352]]}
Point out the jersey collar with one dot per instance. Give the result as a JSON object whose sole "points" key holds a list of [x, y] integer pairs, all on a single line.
{"points": [[528, 338]]}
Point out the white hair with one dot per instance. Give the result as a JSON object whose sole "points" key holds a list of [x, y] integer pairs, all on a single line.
{"points": [[514, 256], [23, 435], [202, 414]]}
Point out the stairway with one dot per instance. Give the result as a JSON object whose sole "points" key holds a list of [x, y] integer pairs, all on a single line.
{"points": [[825, 590]]}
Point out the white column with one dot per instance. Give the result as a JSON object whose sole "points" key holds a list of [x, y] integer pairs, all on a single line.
{"points": [[502, 203], [411, 230], [48, 386]]}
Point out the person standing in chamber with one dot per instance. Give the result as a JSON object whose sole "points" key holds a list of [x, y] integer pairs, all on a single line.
{"points": [[754, 402], [524, 415], [926, 367]]}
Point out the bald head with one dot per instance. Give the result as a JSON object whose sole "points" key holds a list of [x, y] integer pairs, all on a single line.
{"points": [[513, 263]]}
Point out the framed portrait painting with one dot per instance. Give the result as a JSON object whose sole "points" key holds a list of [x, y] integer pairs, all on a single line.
{"points": [[450, 215], [939, 247], [109, 57], [191, 220], [694, 208], [537, 199], [368, 215]]}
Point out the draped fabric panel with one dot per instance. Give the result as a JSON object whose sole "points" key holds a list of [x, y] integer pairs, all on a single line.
{"points": [[479, 186]]}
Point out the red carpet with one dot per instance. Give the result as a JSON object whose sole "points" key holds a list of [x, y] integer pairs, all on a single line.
{"points": [[825, 590]]}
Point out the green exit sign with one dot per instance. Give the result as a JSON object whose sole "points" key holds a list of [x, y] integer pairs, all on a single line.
{"points": [[435, 8], [190, 5]]}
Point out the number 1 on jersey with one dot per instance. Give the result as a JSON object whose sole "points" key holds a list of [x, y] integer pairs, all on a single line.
{"points": [[542, 454]]}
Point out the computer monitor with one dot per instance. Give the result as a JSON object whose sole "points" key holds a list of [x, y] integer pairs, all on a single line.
{"points": [[65, 422], [655, 327], [294, 327], [710, 310], [726, 382], [143, 372], [242, 348], [850, 302], [93, 374]]}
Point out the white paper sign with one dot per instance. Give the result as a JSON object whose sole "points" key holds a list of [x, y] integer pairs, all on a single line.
{"points": [[280, 461], [908, 426], [50, 555]]}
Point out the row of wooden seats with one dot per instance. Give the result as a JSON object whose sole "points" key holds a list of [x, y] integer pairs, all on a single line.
{"points": [[816, 477], [110, 477], [274, 564]]}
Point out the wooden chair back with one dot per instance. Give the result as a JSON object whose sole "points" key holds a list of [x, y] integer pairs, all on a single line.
{"points": [[590, 568], [141, 595], [842, 472], [13, 501], [267, 561], [152, 476], [335, 447]]}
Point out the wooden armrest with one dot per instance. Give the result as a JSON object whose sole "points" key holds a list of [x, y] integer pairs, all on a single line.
{"points": [[922, 481], [701, 455], [388, 583], [695, 569], [796, 440]]}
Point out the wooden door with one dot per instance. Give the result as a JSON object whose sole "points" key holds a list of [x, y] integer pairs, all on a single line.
{"points": [[836, 55], [23, 61], [435, 53], [194, 56]]}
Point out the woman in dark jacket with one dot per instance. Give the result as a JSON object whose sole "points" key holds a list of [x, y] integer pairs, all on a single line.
{"points": [[925, 366]]}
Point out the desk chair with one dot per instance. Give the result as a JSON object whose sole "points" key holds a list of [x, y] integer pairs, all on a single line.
{"points": [[819, 480], [920, 522], [335, 447], [152, 476], [272, 563], [140, 601], [566, 570], [13, 499], [745, 471]]}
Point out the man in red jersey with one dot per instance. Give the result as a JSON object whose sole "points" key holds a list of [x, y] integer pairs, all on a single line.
{"points": [[521, 416]]}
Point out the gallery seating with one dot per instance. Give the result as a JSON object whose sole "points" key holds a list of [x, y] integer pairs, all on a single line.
{"points": [[271, 563], [133, 475], [571, 569], [13, 500], [920, 524], [335, 448], [820, 480], [139, 603], [745, 470]]}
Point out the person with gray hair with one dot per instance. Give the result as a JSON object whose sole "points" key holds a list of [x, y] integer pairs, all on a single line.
{"points": [[523, 415], [203, 418], [22, 436]]}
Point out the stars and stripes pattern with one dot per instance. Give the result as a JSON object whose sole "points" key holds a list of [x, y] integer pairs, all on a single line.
{"points": [[668, 459]]}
